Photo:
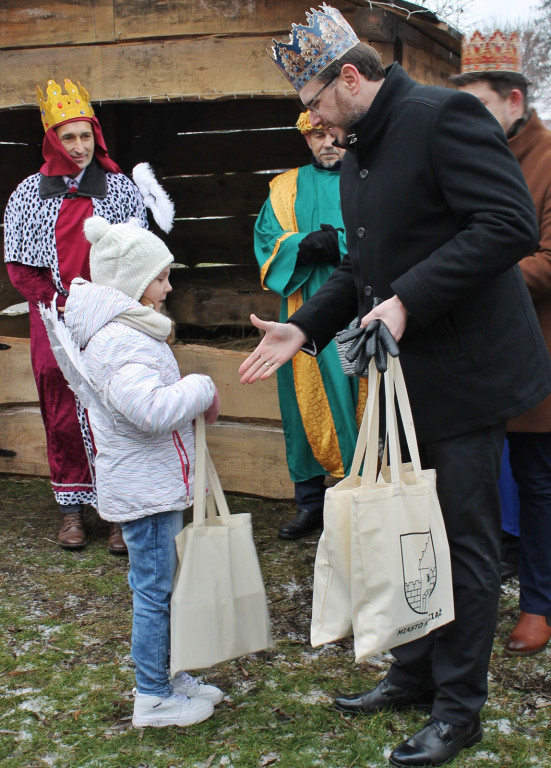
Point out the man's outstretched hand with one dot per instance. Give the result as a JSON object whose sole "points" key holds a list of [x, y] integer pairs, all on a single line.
{"points": [[280, 343]]}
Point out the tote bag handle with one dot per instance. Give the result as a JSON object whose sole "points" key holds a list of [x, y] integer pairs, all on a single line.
{"points": [[395, 383], [369, 474], [368, 434], [205, 472]]}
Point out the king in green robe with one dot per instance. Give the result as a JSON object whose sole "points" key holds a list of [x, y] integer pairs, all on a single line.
{"points": [[319, 404]]}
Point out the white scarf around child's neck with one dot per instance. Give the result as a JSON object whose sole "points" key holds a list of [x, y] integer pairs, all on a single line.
{"points": [[147, 320]]}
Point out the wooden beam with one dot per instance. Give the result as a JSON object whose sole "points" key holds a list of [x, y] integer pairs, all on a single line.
{"points": [[149, 71], [57, 22], [236, 400], [143, 18], [259, 403], [221, 306], [375, 25], [22, 441], [17, 384], [68, 22], [235, 151], [226, 296], [249, 458], [213, 241], [423, 60], [386, 52], [198, 116], [218, 194]]}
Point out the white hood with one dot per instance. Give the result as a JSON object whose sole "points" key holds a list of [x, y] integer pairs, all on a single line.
{"points": [[90, 306]]}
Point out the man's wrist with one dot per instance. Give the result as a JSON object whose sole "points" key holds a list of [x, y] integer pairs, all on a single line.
{"points": [[402, 306], [306, 344]]}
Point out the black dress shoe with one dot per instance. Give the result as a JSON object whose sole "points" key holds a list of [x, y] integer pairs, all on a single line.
{"points": [[436, 744], [385, 696], [303, 523]]}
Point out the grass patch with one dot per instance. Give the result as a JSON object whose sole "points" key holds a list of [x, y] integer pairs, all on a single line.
{"points": [[66, 674]]}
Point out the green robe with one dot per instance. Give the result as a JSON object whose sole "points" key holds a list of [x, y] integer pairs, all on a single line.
{"points": [[318, 403]]}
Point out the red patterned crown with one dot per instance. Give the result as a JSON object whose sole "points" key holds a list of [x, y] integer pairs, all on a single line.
{"points": [[312, 47], [495, 53]]}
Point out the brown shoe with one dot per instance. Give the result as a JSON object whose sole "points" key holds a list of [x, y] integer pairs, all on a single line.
{"points": [[71, 533], [116, 544], [530, 635]]}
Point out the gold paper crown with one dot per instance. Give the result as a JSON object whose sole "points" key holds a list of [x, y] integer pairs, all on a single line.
{"points": [[58, 107], [495, 53], [305, 126], [313, 47]]}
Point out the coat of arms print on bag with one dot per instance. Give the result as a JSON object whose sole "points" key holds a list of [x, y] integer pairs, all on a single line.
{"points": [[419, 569]]}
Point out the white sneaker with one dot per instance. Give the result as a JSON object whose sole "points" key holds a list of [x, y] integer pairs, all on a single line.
{"points": [[195, 689], [171, 710]]}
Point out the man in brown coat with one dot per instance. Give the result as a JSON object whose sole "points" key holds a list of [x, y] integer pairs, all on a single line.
{"points": [[492, 70]]}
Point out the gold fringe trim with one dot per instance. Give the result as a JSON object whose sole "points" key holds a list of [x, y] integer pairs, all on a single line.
{"points": [[314, 406], [283, 193]]}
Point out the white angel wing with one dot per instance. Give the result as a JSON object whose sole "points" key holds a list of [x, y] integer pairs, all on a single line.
{"points": [[70, 361], [154, 196]]}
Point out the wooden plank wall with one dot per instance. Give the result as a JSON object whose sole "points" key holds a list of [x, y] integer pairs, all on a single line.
{"points": [[184, 86], [187, 87]]}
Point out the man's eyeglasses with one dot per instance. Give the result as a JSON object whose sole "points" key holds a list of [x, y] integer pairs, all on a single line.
{"points": [[314, 107]]}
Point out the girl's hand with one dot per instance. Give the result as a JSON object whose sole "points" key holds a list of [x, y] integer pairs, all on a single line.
{"points": [[211, 414]]}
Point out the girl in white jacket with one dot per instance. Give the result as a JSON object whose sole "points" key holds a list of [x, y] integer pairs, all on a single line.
{"points": [[145, 444]]}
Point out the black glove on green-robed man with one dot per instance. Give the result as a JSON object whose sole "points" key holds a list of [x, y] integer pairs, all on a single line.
{"points": [[320, 247]]}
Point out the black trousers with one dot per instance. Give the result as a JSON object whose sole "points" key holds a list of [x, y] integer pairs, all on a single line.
{"points": [[453, 660], [309, 494]]}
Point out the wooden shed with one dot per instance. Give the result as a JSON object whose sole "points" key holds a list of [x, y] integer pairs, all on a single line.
{"points": [[189, 88]]}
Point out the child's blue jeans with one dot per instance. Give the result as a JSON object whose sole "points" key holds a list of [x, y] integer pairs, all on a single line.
{"points": [[153, 561]]}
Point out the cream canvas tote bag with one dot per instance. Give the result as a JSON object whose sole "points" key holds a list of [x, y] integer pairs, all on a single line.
{"points": [[331, 604], [219, 609], [401, 583]]}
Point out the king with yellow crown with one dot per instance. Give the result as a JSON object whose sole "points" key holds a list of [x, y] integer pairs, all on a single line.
{"points": [[44, 250]]}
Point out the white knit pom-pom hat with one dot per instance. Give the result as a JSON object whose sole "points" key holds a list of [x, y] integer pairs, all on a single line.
{"points": [[125, 256]]}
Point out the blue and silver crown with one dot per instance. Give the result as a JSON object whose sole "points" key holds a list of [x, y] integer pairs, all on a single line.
{"points": [[313, 47]]}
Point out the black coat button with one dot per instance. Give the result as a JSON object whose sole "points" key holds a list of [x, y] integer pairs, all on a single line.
{"points": [[364, 173], [361, 232]]}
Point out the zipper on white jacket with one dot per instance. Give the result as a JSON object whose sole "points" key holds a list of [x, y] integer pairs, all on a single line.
{"points": [[182, 454]]}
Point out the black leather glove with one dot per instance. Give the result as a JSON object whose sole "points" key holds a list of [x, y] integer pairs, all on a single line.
{"points": [[374, 340], [320, 247]]}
